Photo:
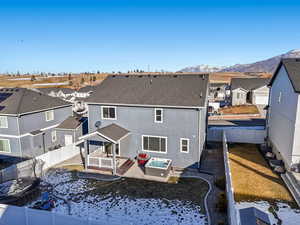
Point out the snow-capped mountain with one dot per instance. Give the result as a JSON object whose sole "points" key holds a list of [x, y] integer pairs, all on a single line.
{"points": [[268, 65], [203, 68]]}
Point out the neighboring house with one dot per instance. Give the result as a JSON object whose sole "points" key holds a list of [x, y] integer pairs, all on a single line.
{"points": [[283, 118], [163, 116], [28, 120], [249, 90], [85, 92], [217, 91]]}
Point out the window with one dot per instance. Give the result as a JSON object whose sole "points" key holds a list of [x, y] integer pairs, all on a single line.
{"points": [[184, 145], [238, 95], [4, 145], [49, 115], [279, 97], [3, 122], [155, 144], [158, 116], [53, 136], [109, 112]]}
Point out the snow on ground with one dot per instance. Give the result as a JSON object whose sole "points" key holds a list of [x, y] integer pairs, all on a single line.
{"points": [[287, 215], [116, 209]]}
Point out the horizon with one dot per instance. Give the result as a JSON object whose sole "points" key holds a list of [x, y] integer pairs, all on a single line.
{"points": [[76, 36]]}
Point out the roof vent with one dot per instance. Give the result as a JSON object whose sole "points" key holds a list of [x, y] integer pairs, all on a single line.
{"points": [[201, 94], [150, 81], [113, 75], [127, 76], [154, 76], [175, 75], [140, 76]]}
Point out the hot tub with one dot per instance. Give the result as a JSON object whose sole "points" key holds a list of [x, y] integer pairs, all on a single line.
{"points": [[158, 167]]}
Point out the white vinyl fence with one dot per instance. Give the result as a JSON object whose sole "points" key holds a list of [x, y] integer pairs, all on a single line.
{"points": [[232, 212], [100, 162], [39, 164], [253, 135]]}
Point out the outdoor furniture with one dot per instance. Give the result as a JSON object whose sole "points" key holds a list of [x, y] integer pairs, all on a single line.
{"points": [[142, 159]]}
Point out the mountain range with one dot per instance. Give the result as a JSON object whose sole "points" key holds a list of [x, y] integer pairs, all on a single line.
{"points": [[268, 65]]}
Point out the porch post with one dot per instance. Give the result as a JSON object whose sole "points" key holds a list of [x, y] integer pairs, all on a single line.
{"points": [[114, 159], [85, 154]]}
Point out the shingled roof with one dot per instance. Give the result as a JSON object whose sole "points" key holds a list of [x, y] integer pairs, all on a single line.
{"points": [[292, 67], [248, 83], [152, 90], [18, 101]]}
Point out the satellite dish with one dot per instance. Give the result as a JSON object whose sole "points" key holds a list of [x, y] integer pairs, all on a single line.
{"points": [[98, 124]]}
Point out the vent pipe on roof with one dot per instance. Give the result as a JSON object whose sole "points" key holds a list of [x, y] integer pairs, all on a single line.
{"points": [[151, 81]]}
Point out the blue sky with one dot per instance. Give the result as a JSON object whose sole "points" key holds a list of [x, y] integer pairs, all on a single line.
{"points": [[113, 35]]}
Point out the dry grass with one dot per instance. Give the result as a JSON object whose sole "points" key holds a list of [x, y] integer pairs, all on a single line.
{"points": [[239, 109], [252, 178], [75, 81]]}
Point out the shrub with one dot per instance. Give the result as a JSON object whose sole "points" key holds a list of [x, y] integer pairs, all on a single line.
{"points": [[222, 203], [221, 183]]}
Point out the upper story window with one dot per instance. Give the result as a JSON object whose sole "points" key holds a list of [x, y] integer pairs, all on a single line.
{"points": [[3, 122], [109, 112], [154, 144], [49, 115], [279, 97], [158, 116], [5, 146], [184, 145]]}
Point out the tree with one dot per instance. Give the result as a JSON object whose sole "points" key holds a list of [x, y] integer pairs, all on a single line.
{"points": [[82, 81], [32, 78], [70, 83], [94, 78], [69, 77]]}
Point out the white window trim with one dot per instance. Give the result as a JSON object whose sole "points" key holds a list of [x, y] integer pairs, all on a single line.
{"points": [[52, 111], [3, 139], [55, 135], [188, 145], [162, 115], [166, 138], [102, 107], [6, 122]]}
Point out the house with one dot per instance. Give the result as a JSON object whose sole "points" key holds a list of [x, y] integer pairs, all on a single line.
{"points": [[253, 216], [283, 127], [249, 90], [28, 121], [217, 91], [163, 116]]}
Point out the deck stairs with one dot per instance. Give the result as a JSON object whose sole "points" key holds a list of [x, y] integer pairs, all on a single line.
{"points": [[125, 167]]}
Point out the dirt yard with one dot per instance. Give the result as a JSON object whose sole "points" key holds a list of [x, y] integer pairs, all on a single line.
{"points": [[127, 201], [253, 180], [239, 109]]}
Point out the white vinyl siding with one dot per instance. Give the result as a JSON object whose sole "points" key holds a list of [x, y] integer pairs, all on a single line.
{"points": [[109, 112], [3, 122], [53, 136], [5, 146], [49, 115], [154, 144], [184, 145], [158, 118]]}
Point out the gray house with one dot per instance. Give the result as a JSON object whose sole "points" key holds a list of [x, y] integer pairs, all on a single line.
{"points": [[249, 90], [28, 121], [283, 125], [163, 116]]}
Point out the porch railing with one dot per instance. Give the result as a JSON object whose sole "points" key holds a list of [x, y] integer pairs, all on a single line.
{"points": [[100, 162]]}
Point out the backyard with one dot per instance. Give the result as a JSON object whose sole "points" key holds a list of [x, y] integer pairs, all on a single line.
{"points": [[255, 184], [127, 200], [239, 109]]}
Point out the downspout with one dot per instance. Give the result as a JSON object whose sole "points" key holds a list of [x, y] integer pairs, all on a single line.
{"points": [[199, 139], [44, 146]]}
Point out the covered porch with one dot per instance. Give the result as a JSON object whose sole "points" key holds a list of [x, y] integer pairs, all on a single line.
{"points": [[102, 150]]}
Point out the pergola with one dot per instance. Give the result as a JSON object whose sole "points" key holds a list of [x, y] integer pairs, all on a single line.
{"points": [[112, 133]]}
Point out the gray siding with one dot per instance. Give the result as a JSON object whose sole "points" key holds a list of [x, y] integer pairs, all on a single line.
{"points": [[177, 123], [12, 126], [282, 118], [36, 121]]}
